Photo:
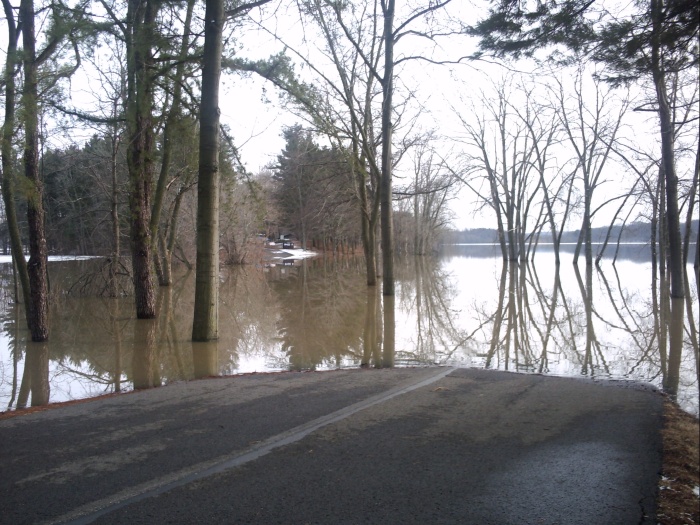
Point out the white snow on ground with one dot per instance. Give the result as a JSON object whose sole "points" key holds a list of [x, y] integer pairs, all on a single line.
{"points": [[298, 253], [8, 258], [287, 254]]}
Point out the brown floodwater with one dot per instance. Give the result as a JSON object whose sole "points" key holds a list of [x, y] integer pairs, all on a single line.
{"points": [[464, 308]]}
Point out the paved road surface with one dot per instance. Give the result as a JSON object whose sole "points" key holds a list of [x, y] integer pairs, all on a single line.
{"points": [[393, 446]]}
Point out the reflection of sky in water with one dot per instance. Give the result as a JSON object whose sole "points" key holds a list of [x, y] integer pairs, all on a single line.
{"points": [[623, 305], [315, 318]]}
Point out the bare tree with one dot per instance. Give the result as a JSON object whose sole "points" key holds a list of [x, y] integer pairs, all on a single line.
{"points": [[591, 129], [509, 155], [360, 43], [424, 201]]}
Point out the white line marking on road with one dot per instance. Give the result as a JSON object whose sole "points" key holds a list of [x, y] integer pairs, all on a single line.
{"points": [[91, 511]]}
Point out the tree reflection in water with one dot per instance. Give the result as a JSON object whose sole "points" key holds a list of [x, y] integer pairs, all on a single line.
{"points": [[606, 331], [320, 314], [36, 376]]}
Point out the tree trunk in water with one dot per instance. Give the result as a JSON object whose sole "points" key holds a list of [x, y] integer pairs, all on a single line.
{"points": [[206, 302], [387, 131], [389, 337], [165, 277], [142, 15], [38, 307], [368, 221], [167, 248], [667, 156], [655, 296], [114, 213]]}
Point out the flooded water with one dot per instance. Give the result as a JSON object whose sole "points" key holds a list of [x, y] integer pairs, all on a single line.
{"points": [[464, 308]]}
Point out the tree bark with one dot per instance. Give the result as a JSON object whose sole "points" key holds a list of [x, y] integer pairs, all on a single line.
{"points": [[8, 182], [206, 302], [38, 307], [141, 15], [387, 131], [368, 237], [114, 207]]}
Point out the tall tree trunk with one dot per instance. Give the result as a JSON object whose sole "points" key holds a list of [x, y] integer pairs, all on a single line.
{"points": [[369, 335], [141, 15], [38, 307], [667, 156], [114, 208], [387, 131], [657, 294], [206, 302], [170, 128], [361, 179], [8, 182]]}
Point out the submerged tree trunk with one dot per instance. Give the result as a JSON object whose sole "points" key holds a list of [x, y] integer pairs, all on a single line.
{"points": [[38, 307], [387, 132], [206, 302]]}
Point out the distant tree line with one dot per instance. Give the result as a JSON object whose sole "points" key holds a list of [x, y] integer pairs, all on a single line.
{"points": [[636, 232]]}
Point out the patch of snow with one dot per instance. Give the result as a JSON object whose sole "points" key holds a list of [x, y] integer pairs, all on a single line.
{"points": [[298, 253], [8, 258]]}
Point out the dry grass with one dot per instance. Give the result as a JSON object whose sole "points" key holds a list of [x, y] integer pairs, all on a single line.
{"points": [[677, 504]]}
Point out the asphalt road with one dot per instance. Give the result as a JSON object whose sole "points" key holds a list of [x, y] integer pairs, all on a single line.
{"points": [[392, 446]]}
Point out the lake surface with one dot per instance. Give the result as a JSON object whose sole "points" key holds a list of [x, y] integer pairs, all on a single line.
{"points": [[464, 308]]}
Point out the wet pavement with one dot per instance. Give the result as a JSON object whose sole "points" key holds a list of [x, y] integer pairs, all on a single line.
{"points": [[425, 445]]}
